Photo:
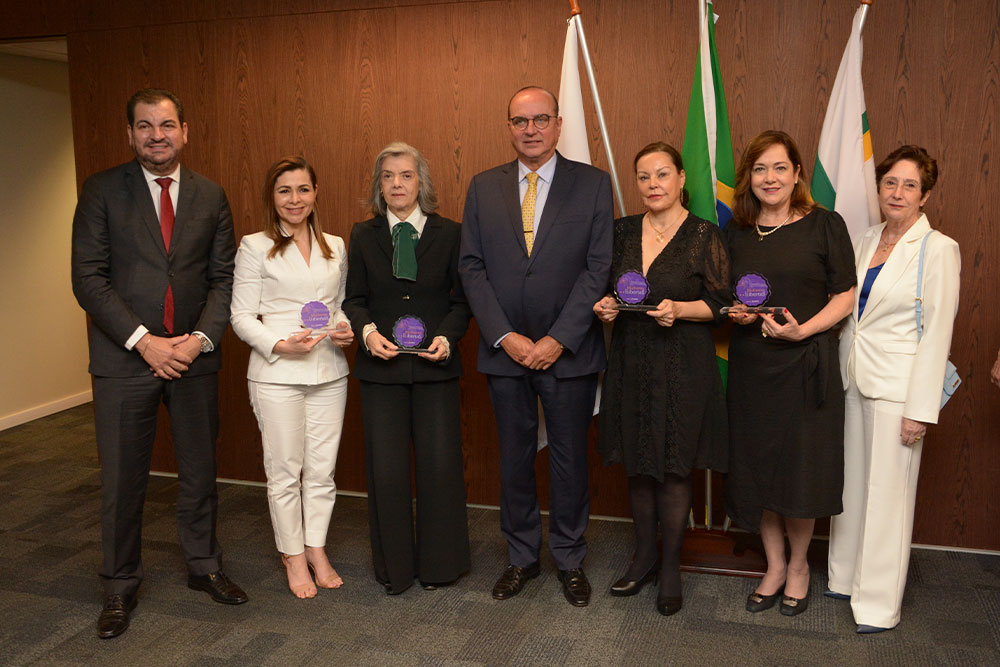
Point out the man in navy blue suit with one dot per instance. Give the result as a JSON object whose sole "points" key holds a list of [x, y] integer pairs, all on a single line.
{"points": [[536, 255]]}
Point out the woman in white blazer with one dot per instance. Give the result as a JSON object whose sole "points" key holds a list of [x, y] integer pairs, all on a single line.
{"points": [[297, 376], [893, 379]]}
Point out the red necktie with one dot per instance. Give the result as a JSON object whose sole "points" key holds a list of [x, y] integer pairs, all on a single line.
{"points": [[167, 229]]}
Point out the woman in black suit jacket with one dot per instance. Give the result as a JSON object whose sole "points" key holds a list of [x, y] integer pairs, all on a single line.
{"points": [[404, 262]]}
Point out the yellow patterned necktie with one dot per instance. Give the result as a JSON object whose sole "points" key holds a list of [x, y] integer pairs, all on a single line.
{"points": [[528, 211]]}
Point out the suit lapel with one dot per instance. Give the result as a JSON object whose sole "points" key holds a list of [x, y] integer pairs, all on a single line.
{"points": [[432, 227], [559, 190], [864, 257], [137, 185], [512, 198], [185, 203], [902, 256], [383, 236]]}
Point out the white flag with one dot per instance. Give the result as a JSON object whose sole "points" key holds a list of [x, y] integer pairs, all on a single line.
{"points": [[573, 143], [844, 177]]}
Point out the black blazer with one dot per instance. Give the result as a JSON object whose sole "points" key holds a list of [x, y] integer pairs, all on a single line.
{"points": [[121, 269], [553, 291], [375, 295]]}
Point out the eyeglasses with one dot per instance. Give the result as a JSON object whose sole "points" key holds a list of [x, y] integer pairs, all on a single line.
{"points": [[541, 121], [890, 183]]}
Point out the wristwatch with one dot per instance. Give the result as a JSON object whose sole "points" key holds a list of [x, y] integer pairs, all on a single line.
{"points": [[206, 344]]}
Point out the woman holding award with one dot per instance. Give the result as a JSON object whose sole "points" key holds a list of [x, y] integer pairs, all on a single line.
{"points": [[663, 410], [893, 368], [408, 309], [287, 293], [786, 403]]}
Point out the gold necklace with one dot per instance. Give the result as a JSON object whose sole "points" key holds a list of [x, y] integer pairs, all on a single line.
{"points": [[761, 235], [666, 228]]}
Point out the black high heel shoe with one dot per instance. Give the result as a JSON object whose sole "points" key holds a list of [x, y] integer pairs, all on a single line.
{"points": [[625, 587], [669, 606]]}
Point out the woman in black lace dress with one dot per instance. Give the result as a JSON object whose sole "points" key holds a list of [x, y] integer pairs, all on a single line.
{"points": [[663, 410]]}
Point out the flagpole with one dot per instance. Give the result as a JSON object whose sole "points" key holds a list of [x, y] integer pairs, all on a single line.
{"points": [[575, 18], [708, 473], [865, 4]]}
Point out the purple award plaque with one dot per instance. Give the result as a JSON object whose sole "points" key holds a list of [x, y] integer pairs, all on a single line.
{"points": [[631, 289], [752, 289], [409, 332], [315, 315]]}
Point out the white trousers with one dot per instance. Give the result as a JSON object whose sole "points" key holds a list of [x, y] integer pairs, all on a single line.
{"points": [[300, 428], [870, 541]]}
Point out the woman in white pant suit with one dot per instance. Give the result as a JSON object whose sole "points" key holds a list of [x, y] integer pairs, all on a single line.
{"points": [[893, 382], [297, 376]]}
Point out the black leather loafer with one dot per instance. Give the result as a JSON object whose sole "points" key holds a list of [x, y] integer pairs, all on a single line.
{"points": [[575, 587], [219, 586], [513, 579], [114, 617]]}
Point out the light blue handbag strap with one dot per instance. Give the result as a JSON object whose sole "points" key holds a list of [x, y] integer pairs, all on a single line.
{"points": [[920, 284]]}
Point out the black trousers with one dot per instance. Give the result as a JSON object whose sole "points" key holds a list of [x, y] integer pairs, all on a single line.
{"points": [[568, 404], [125, 419], [426, 413]]}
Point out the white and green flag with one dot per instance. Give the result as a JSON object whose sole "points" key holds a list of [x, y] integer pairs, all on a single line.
{"points": [[844, 177]]}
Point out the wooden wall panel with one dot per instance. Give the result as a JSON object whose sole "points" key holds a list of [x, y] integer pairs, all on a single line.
{"points": [[338, 79]]}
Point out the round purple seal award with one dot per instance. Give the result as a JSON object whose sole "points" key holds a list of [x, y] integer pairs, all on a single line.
{"points": [[409, 332], [752, 289], [631, 289], [315, 315]]}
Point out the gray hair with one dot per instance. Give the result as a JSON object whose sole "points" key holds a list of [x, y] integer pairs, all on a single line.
{"points": [[427, 196]]}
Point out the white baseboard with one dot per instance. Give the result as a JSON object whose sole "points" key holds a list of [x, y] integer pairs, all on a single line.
{"points": [[46, 409]]}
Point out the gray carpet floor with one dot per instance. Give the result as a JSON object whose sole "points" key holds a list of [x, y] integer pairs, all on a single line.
{"points": [[50, 594]]}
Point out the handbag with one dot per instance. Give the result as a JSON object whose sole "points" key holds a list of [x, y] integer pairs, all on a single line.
{"points": [[951, 378]]}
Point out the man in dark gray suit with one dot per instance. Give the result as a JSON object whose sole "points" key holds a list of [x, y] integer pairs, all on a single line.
{"points": [[152, 265], [536, 254]]}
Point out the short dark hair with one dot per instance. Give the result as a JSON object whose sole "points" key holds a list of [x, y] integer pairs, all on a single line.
{"points": [[555, 100], [675, 156], [926, 165], [152, 96], [746, 207]]}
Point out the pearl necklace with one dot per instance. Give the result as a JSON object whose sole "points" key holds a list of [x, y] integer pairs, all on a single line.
{"points": [[761, 235]]}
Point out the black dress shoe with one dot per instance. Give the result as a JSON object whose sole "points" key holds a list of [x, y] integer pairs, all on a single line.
{"points": [[669, 606], [575, 587], [219, 586], [513, 579], [114, 617], [625, 587], [757, 602], [794, 606]]}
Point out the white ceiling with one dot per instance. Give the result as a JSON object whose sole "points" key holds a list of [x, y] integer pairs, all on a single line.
{"points": [[47, 49]]}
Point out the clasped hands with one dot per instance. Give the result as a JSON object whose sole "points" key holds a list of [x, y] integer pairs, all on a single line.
{"points": [[169, 357], [536, 355], [769, 327], [665, 313]]}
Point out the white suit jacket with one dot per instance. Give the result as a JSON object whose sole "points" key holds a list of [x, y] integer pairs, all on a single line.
{"points": [[880, 351], [276, 289]]}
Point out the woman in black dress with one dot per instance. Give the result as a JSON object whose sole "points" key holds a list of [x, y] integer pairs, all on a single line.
{"points": [[786, 403], [663, 410]]}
